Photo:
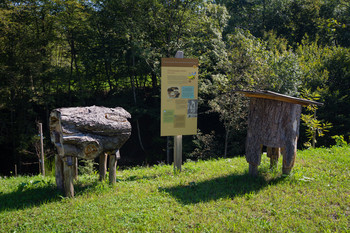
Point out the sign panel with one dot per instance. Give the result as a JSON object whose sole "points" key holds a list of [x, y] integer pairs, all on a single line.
{"points": [[179, 96]]}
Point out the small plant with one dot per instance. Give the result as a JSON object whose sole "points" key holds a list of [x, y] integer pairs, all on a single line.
{"points": [[339, 140], [87, 168], [315, 128], [206, 146]]}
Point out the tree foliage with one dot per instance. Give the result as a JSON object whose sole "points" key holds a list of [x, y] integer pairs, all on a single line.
{"points": [[62, 53]]}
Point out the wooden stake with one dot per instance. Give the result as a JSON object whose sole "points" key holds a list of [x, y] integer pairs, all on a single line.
{"points": [[59, 172], [177, 153], [273, 153], [42, 159], [103, 166], [113, 168], [68, 171], [75, 169]]}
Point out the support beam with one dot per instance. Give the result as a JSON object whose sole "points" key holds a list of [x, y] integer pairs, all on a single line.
{"points": [[59, 172], [68, 172], [103, 166], [177, 153], [273, 153], [113, 167]]}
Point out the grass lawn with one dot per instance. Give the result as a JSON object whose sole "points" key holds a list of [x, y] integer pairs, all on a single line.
{"points": [[207, 196]]}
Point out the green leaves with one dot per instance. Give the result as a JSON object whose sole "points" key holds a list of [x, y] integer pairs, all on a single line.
{"points": [[315, 128]]}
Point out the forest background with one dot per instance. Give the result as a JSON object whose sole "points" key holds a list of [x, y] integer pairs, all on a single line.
{"points": [[66, 53]]}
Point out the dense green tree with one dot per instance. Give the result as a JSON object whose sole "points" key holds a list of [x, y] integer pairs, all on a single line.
{"points": [[58, 53]]}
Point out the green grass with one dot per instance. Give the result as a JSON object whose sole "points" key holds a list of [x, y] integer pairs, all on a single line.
{"points": [[207, 196]]}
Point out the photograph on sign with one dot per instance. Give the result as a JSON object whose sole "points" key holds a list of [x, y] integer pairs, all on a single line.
{"points": [[173, 92], [192, 108]]}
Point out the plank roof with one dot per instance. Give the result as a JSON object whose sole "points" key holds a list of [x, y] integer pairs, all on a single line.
{"points": [[262, 94]]}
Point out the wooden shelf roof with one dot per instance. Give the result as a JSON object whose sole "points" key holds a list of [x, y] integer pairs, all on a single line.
{"points": [[276, 96]]}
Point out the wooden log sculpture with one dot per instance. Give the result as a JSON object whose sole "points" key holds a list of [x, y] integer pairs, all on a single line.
{"points": [[273, 121], [87, 132]]}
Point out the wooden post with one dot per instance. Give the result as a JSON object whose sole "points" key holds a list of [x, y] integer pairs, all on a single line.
{"points": [[273, 153], [253, 170], [75, 169], [68, 172], [59, 172], [177, 153], [178, 138], [103, 166], [42, 159], [113, 168]]}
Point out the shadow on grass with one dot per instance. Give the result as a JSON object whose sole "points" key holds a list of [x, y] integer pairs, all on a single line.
{"points": [[223, 187], [23, 199], [36, 196]]}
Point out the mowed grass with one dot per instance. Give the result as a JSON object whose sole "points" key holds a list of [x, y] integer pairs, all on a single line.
{"points": [[207, 196]]}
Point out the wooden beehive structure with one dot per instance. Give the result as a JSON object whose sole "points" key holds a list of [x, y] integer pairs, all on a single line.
{"points": [[87, 132], [273, 121]]}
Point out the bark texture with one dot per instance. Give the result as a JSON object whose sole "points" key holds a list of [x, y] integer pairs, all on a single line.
{"points": [[87, 132], [274, 124]]}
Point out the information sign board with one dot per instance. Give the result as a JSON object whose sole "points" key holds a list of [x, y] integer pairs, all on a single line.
{"points": [[179, 96]]}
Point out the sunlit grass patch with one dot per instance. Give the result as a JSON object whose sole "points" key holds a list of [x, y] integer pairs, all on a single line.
{"points": [[207, 196]]}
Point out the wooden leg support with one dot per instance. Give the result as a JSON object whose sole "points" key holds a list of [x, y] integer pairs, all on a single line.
{"points": [[273, 154], [253, 170], [75, 164], [59, 172], [103, 166], [68, 173], [113, 168]]}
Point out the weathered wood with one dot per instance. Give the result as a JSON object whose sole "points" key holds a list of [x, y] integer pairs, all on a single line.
{"points": [[273, 154], [68, 173], [253, 170], [59, 172], [103, 166], [279, 97], [86, 132], [75, 169], [113, 167], [42, 157], [274, 124], [177, 153]]}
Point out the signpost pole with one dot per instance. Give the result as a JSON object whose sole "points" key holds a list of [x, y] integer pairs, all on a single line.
{"points": [[179, 102], [178, 138]]}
